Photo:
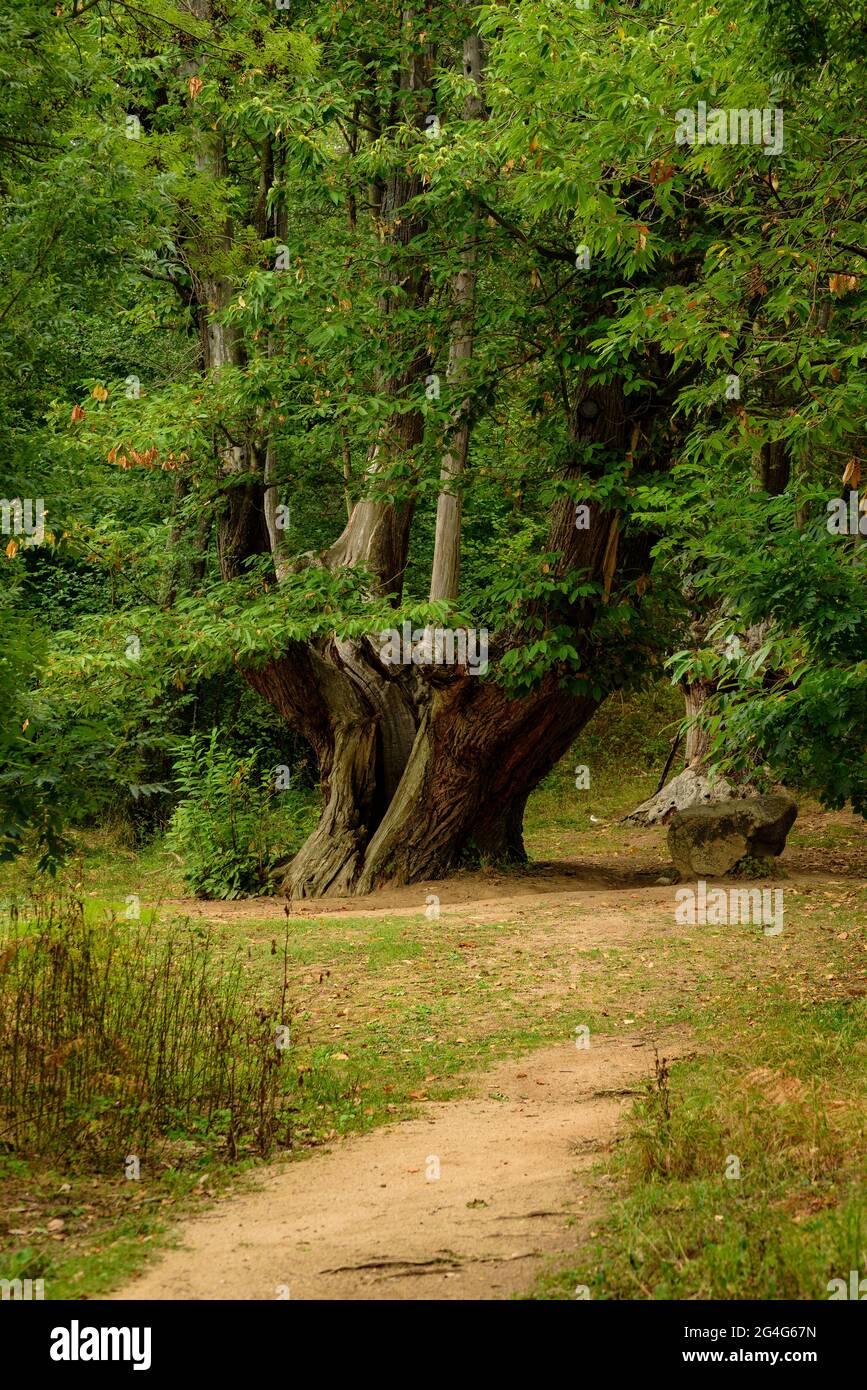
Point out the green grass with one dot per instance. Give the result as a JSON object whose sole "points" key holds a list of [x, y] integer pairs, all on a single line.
{"points": [[780, 1085], [389, 1011], [624, 748], [105, 868], [110, 1229]]}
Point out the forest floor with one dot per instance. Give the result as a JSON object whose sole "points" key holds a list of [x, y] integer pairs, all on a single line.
{"points": [[515, 1192], [447, 1045]]}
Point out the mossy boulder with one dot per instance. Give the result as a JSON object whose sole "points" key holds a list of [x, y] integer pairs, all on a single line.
{"points": [[708, 841]]}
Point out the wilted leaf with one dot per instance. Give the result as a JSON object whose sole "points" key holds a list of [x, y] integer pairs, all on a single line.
{"points": [[842, 284], [852, 473]]}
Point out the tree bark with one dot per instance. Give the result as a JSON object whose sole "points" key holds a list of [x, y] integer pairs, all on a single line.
{"points": [[465, 756], [446, 568], [695, 694], [476, 758]]}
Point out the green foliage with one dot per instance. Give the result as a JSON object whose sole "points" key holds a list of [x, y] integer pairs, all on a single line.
{"points": [[796, 698], [50, 764], [705, 261], [226, 827]]}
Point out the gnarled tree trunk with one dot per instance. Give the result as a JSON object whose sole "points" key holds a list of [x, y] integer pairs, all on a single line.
{"points": [[426, 768]]}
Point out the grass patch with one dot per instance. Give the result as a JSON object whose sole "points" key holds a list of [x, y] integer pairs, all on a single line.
{"points": [[742, 1171], [383, 1013], [624, 760]]}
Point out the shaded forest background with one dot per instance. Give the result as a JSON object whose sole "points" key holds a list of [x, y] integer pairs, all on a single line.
{"points": [[322, 318]]}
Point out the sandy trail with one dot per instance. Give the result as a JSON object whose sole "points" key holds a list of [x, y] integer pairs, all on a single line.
{"points": [[365, 1221]]}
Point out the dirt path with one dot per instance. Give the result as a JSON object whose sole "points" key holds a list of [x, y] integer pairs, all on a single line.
{"points": [[365, 1221]]}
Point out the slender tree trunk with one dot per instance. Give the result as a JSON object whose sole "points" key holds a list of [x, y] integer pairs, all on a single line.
{"points": [[695, 694], [692, 785], [446, 569], [773, 472], [376, 536], [241, 528]]}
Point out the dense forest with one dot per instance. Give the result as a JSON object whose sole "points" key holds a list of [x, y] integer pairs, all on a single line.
{"points": [[426, 425], [324, 319]]}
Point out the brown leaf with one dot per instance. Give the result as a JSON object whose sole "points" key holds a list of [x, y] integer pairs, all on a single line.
{"points": [[661, 170], [194, 86], [842, 284], [852, 473]]}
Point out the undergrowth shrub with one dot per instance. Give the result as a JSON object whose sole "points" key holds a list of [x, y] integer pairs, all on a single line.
{"points": [[118, 1038], [231, 827]]}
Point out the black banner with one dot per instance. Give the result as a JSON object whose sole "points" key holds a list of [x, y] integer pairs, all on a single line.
{"points": [[85, 1340]]}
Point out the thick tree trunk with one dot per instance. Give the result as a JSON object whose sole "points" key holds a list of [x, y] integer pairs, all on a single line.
{"points": [[469, 768], [361, 727], [425, 768], [449, 785], [476, 758]]}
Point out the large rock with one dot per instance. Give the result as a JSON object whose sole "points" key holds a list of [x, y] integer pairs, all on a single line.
{"points": [[707, 841]]}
